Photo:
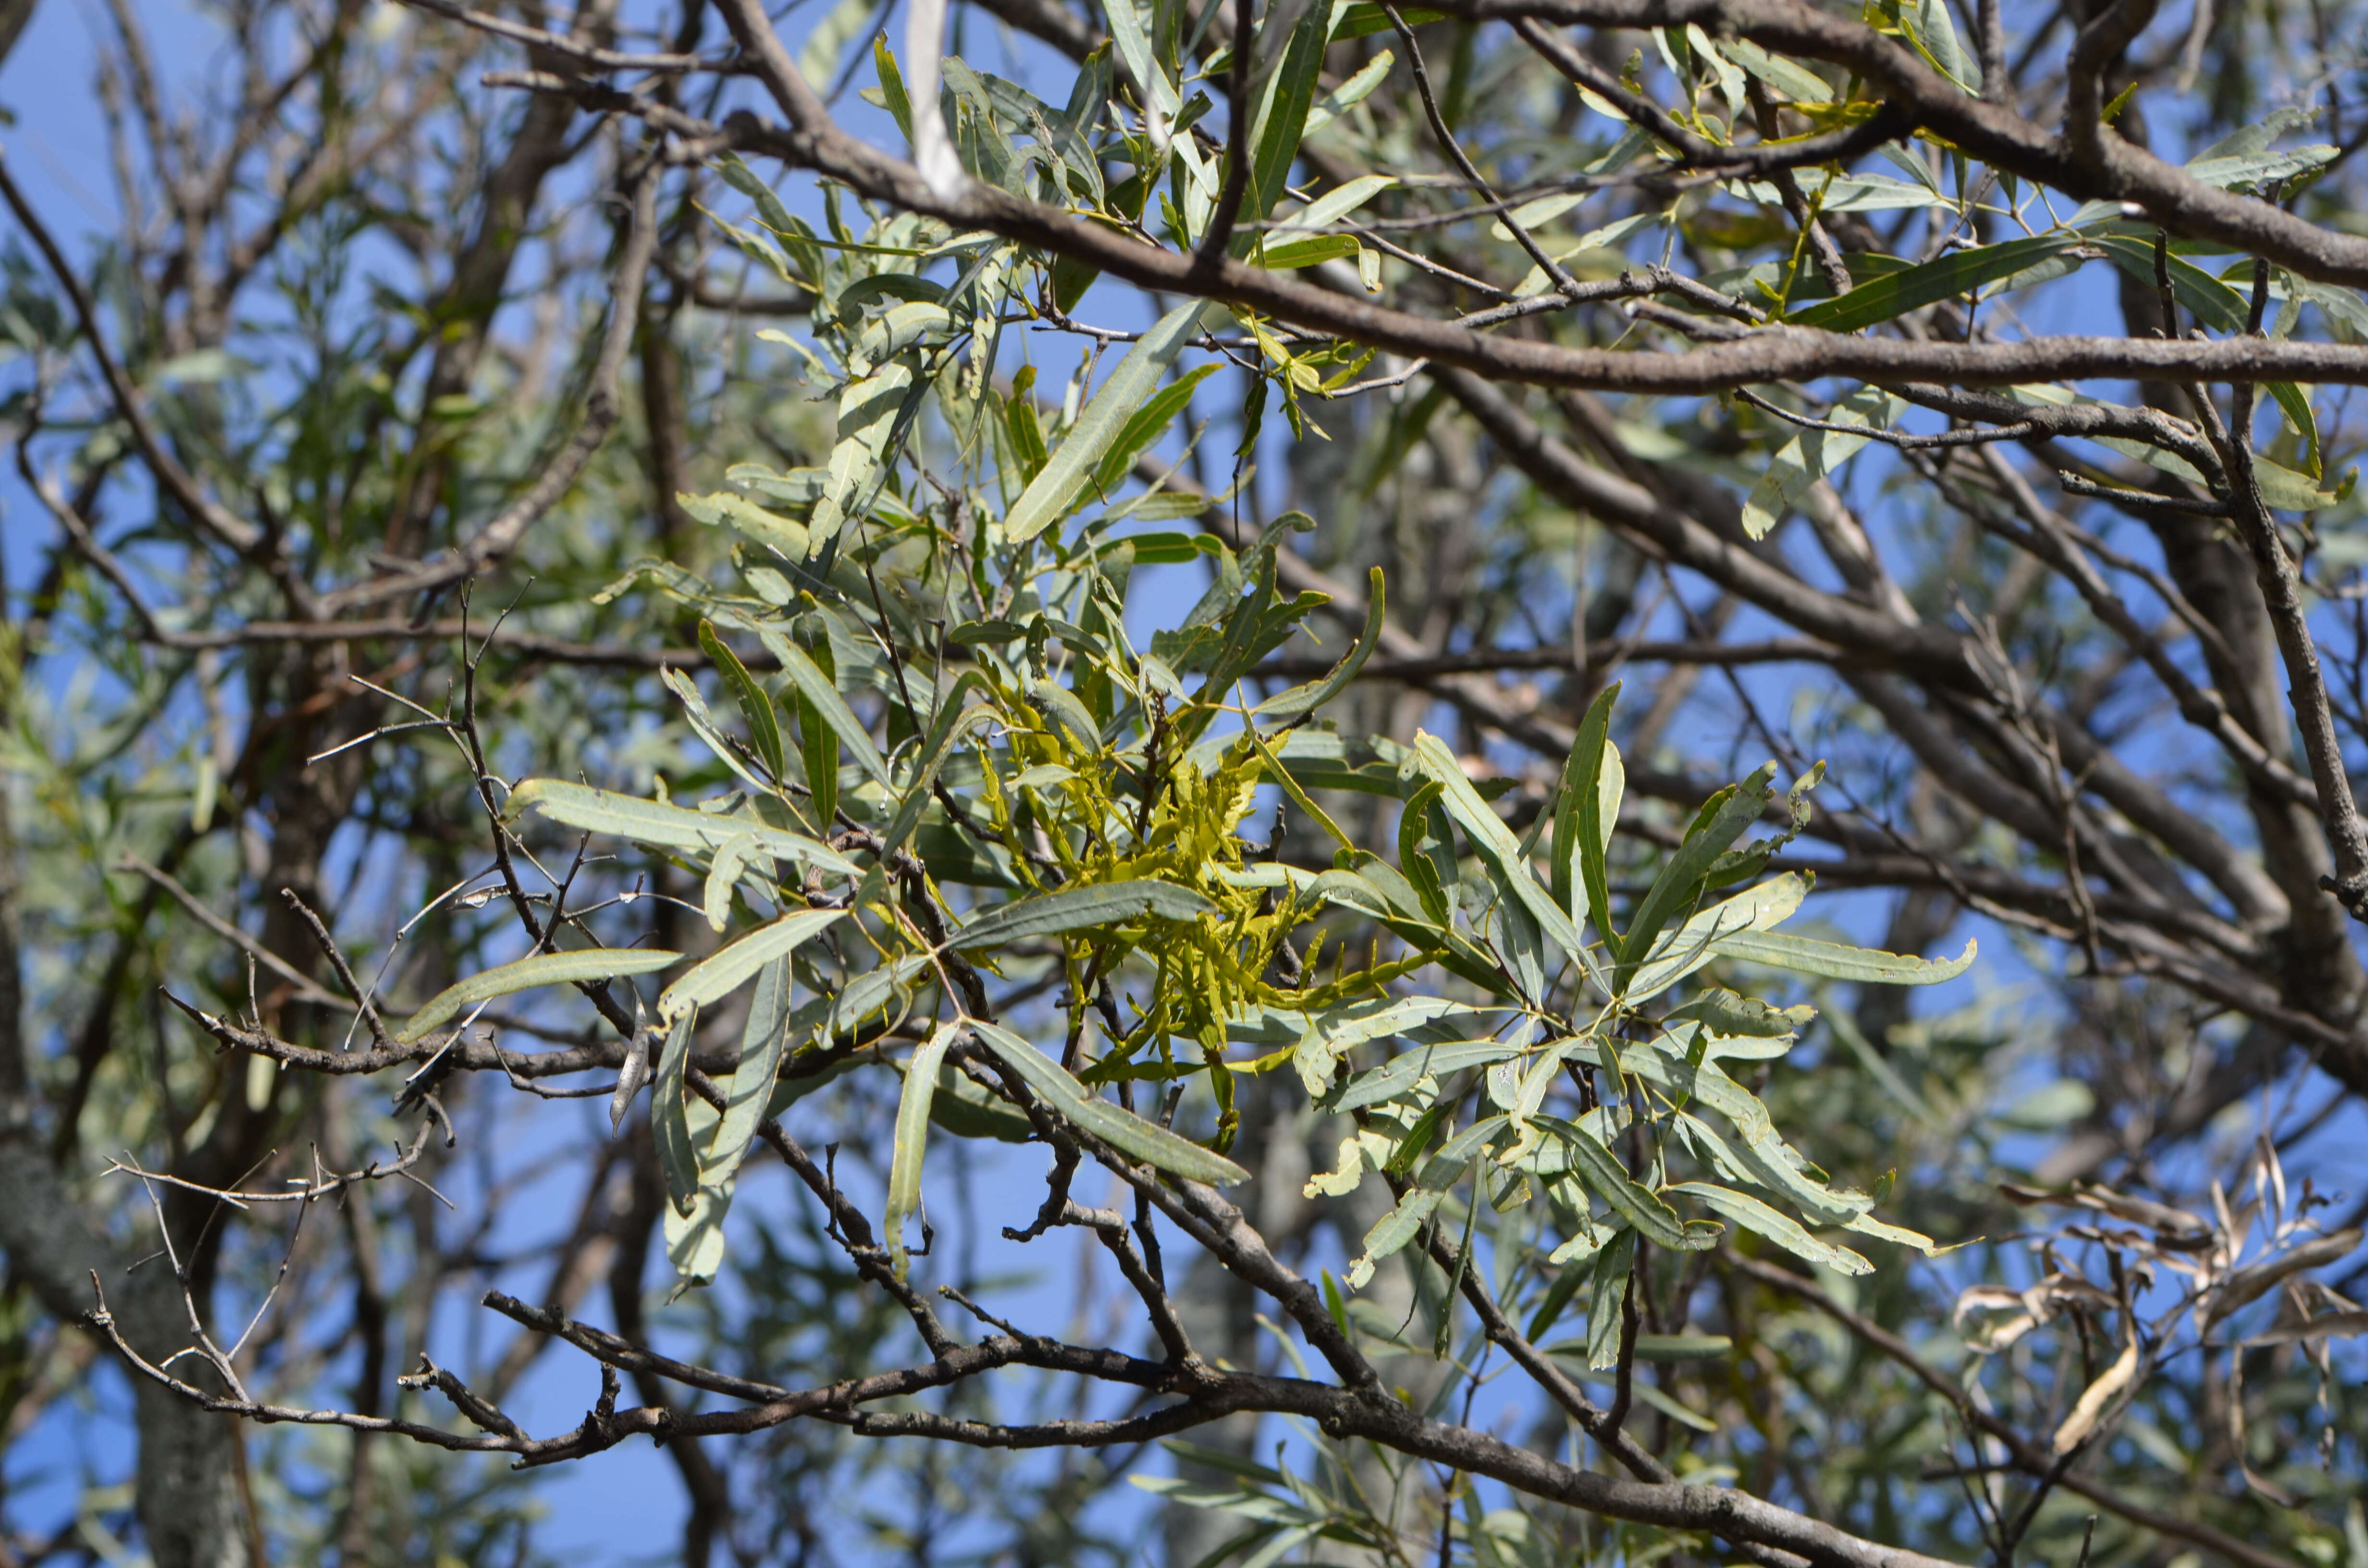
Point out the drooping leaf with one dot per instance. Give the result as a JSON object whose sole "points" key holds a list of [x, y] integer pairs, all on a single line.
{"points": [[670, 1119], [1607, 1291], [747, 1093], [1837, 960], [665, 826], [1913, 288], [1723, 819], [822, 692], [1602, 1173], [583, 965], [1127, 389], [1071, 909], [1122, 1130], [1307, 698], [912, 1136], [724, 972], [1784, 1231], [1493, 841], [952, 719]]}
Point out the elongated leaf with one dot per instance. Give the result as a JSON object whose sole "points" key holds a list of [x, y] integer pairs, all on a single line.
{"points": [[670, 1120], [1122, 1130], [951, 721], [764, 1041], [1309, 250], [1282, 118], [1836, 960], [1722, 821], [1335, 204], [1069, 909], [912, 1136], [1607, 1291], [668, 827], [1601, 1171], [1897, 293], [1935, 37], [1126, 389], [1784, 1231], [525, 974], [1492, 840], [1403, 1073], [1582, 829], [1680, 952], [1762, 1158], [822, 691], [721, 974], [1145, 425], [764, 725], [1392, 1230], [694, 1242], [721, 741], [1306, 698]]}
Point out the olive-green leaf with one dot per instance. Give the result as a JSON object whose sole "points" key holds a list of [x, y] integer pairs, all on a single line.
{"points": [[1601, 1171], [1070, 909], [669, 1118], [912, 1137], [821, 691], [1048, 497], [1838, 960], [1122, 1130], [1785, 1231], [1721, 822], [1896, 293], [1306, 698], [764, 1041], [721, 974], [668, 827], [525, 974], [764, 725], [1494, 842]]}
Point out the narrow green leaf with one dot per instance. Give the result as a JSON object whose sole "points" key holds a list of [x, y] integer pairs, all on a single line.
{"points": [[1680, 952], [764, 725], [1896, 293], [1102, 904], [1836, 960], [544, 968], [951, 721], [1281, 120], [1307, 698], [668, 827], [1145, 425], [1601, 1171], [724, 972], [1492, 840], [1723, 819], [1582, 831], [1764, 1159], [763, 1041], [1309, 250], [669, 1118], [1785, 1231], [1050, 494], [1608, 1290], [912, 1136], [822, 692], [1122, 1130]]}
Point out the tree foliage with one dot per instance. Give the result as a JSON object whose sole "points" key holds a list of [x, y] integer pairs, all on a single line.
{"points": [[541, 683]]}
